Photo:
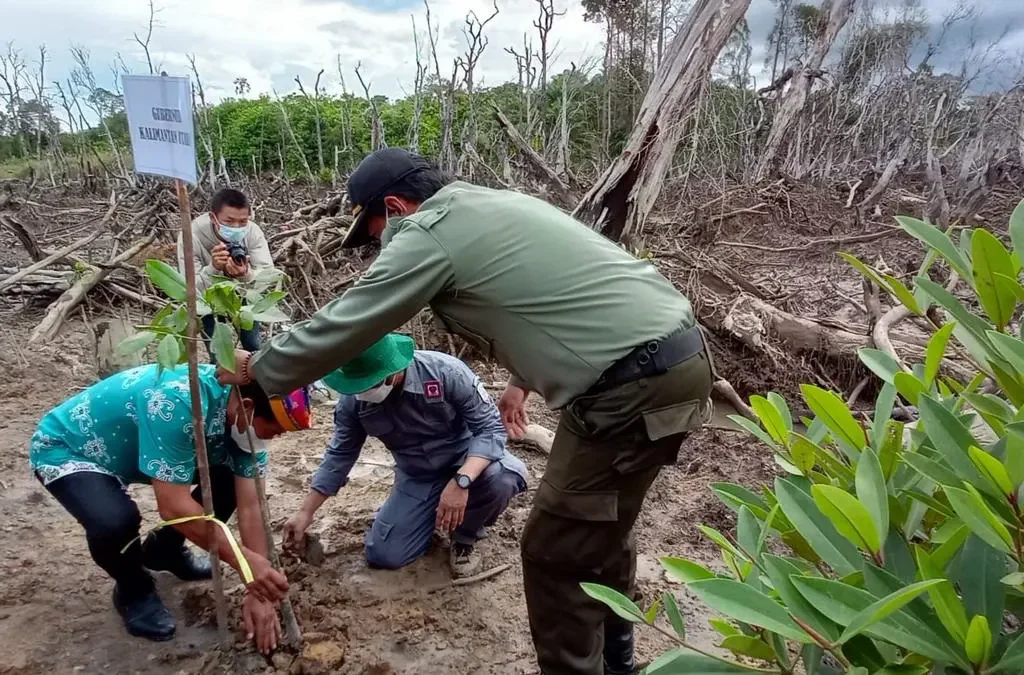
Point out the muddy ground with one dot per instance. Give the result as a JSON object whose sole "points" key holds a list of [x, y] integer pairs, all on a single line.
{"points": [[55, 610]]}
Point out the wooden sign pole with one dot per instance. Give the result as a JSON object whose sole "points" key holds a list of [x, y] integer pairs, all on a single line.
{"points": [[202, 462]]}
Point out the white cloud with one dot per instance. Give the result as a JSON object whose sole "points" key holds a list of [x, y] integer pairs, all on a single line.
{"points": [[269, 42]]}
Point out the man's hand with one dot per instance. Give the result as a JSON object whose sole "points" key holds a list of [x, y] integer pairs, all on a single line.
{"points": [[261, 623], [452, 507], [221, 258], [267, 584], [235, 270], [512, 406], [226, 377], [295, 530]]}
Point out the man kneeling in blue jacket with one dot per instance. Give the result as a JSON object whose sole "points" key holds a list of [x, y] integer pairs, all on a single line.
{"points": [[452, 470]]}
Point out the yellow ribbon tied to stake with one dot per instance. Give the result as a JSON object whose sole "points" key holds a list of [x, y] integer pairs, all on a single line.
{"points": [[243, 564]]}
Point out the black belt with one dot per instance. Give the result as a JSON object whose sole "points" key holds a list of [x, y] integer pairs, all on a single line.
{"points": [[652, 358]]}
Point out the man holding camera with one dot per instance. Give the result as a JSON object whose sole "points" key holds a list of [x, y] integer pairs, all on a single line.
{"points": [[227, 244]]}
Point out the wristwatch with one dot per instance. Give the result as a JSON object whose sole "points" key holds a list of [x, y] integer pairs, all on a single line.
{"points": [[463, 481]]}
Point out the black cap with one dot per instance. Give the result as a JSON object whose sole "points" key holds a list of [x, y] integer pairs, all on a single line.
{"points": [[375, 174]]}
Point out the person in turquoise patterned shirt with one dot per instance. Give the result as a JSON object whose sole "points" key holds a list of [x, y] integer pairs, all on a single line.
{"points": [[136, 427]]}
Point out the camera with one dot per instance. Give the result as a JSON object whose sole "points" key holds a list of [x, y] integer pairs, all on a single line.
{"points": [[238, 252]]}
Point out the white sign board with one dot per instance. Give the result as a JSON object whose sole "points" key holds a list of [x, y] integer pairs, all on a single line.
{"points": [[160, 124]]}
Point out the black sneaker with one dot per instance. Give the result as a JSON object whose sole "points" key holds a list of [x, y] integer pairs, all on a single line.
{"points": [[182, 562], [145, 616]]}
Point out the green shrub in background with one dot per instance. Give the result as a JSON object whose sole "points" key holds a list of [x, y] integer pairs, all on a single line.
{"points": [[887, 548]]}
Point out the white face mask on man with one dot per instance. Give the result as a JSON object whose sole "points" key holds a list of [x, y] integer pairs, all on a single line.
{"points": [[241, 439], [376, 395]]}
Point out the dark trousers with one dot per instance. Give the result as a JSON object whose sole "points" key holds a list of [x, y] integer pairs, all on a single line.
{"points": [[404, 525], [111, 519], [250, 339], [608, 449]]}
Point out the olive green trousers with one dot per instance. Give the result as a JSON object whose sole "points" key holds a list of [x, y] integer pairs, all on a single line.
{"points": [[608, 449]]}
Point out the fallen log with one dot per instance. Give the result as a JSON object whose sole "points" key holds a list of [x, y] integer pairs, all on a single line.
{"points": [[62, 306], [50, 259], [23, 235], [562, 192]]}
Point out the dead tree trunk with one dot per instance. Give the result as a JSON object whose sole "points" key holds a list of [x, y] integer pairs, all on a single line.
{"points": [[623, 196], [795, 97]]}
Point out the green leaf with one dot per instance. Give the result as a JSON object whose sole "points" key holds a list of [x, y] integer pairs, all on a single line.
{"points": [[675, 617], [617, 602], [168, 352], [989, 257], [892, 449], [909, 387], [166, 278], [680, 660], [945, 551], [882, 608], [745, 645], [1015, 579], [880, 363], [849, 516], [866, 270], [971, 509], [935, 352], [902, 293], [1010, 348], [1017, 231], [930, 502], [803, 453], [800, 509], [736, 497], [883, 414], [135, 343], [931, 469], [1015, 459], [842, 603], [723, 627], [783, 408], [779, 572], [223, 346], [272, 315], [267, 301], [246, 319], [970, 329], [992, 469], [978, 578], [742, 603], [753, 429], [944, 598], [748, 532], [872, 491], [938, 240], [652, 612], [979, 641], [949, 436], [1013, 658], [831, 410], [163, 315], [770, 418], [685, 570]]}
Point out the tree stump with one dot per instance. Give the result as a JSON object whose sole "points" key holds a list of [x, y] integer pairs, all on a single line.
{"points": [[109, 334]]}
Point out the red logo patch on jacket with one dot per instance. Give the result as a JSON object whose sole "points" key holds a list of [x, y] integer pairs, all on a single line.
{"points": [[433, 390]]}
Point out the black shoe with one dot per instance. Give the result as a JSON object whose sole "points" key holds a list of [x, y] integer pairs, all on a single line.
{"points": [[145, 615], [181, 561], [618, 648]]}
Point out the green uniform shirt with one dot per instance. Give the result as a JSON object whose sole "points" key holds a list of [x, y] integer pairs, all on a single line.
{"points": [[136, 425], [553, 301]]}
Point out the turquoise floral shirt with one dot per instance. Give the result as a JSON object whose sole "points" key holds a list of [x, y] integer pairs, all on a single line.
{"points": [[137, 426]]}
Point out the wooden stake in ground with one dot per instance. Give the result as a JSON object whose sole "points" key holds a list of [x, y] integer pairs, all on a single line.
{"points": [[202, 462]]}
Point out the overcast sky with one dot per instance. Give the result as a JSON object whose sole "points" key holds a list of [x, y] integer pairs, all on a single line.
{"points": [[269, 42]]}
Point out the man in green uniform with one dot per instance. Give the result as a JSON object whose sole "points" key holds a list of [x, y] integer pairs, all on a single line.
{"points": [[601, 335]]}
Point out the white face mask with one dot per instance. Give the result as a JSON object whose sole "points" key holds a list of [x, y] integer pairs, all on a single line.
{"points": [[241, 439], [377, 394]]}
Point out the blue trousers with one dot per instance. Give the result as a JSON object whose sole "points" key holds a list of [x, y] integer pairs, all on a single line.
{"points": [[403, 526]]}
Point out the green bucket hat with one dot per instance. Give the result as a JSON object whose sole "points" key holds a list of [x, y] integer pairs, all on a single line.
{"points": [[391, 354]]}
